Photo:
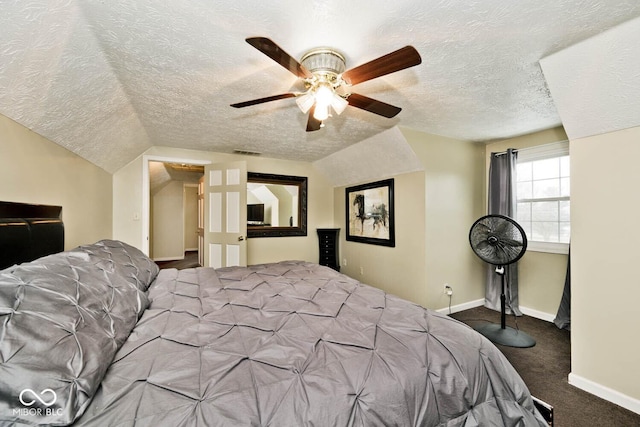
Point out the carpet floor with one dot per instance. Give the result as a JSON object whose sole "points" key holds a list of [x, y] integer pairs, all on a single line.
{"points": [[190, 261], [545, 369]]}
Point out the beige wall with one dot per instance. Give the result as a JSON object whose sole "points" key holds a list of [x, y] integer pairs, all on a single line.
{"points": [[399, 270], [605, 207], [128, 201], [173, 220], [167, 224], [433, 212], [190, 217], [541, 275], [36, 170], [453, 201]]}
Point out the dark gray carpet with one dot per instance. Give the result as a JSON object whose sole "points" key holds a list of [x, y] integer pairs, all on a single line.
{"points": [[190, 261], [545, 369]]}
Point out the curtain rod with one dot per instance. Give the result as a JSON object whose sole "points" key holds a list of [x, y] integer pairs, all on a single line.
{"points": [[502, 153], [535, 147]]}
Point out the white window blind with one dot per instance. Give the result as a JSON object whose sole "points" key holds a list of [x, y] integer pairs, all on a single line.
{"points": [[544, 196]]}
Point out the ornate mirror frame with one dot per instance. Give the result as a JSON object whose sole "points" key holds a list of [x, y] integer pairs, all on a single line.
{"points": [[268, 231]]}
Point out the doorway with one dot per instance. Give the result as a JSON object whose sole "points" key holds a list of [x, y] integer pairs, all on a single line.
{"points": [[167, 183]]}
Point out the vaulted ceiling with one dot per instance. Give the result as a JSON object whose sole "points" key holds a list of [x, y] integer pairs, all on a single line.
{"points": [[109, 79]]}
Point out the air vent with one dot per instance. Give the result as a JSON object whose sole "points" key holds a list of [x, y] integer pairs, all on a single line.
{"points": [[246, 153]]}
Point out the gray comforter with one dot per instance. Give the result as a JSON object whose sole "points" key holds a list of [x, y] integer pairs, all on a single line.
{"points": [[297, 344], [291, 344]]}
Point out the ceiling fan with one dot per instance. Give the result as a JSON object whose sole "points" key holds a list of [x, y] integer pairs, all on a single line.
{"points": [[327, 83]]}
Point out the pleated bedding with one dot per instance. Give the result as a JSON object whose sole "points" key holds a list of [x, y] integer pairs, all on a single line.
{"points": [[298, 344], [284, 344]]}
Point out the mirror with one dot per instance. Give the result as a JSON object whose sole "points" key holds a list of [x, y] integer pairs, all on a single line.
{"points": [[276, 205]]}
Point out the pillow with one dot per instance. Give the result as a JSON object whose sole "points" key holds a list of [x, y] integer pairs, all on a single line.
{"points": [[62, 319], [123, 260]]}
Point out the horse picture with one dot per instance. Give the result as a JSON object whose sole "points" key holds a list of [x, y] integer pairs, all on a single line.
{"points": [[369, 213]]}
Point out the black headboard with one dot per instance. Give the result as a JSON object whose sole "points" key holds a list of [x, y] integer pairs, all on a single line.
{"points": [[28, 232]]}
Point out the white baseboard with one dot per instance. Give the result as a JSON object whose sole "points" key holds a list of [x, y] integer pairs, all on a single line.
{"points": [[589, 386], [537, 314], [547, 317], [461, 307], [605, 393]]}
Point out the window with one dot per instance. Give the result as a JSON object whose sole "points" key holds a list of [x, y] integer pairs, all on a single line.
{"points": [[543, 196]]}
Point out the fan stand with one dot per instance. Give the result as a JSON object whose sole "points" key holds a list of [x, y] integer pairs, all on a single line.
{"points": [[503, 334]]}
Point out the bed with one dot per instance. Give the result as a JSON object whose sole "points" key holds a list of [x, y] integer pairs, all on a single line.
{"points": [[98, 336]]}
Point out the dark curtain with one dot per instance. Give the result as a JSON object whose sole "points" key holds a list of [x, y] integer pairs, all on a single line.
{"points": [[563, 317], [502, 200]]}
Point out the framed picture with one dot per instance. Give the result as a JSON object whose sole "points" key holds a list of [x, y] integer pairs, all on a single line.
{"points": [[369, 209]]}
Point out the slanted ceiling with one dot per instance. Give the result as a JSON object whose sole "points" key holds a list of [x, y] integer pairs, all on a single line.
{"points": [[596, 83], [109, 79], [161, 173], [377, 157]]}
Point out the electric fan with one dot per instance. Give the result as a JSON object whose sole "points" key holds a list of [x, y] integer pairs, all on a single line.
{"points": [[500, 241]]}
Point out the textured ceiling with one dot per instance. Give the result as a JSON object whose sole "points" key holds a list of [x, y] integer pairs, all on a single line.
{"points": [[597, 94], [380, 156], [109, 79], [160, 174]]}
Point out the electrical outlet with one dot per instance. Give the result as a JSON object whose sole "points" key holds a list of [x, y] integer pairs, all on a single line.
{"points": [[362, 270], [344, 261], [448, 290]]}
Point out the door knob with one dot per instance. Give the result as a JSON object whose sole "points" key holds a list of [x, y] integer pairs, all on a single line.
{"points": [[240, 239]]}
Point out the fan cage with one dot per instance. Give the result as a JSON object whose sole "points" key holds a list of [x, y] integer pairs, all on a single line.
{"points": [[498, 239]]}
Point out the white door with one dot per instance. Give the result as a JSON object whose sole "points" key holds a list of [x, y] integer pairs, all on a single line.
{"points": [[225, 193]]}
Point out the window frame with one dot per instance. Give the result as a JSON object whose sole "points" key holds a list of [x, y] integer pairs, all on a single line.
{"points": [[542, 152]]}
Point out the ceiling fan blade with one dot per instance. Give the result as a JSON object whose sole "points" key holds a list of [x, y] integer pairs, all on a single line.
{"points": [[373, 106], [403, 58], [263, 100], [273, 51], [313, 124]]}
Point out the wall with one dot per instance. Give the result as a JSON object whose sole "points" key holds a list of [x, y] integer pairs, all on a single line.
{"points": [[36, 170], [167, 242], [128, 202], [604, 265], [453, 201], [541, 275], [174, 220], [596, 88], [191, 217], [399, 270], [433, 213]]}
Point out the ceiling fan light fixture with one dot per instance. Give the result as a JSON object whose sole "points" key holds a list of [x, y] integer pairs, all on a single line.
{"points": [[323, 60], [326, 65], [338, 103], [324, 94], [321, 112], [305, 102], [322, 71]]}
